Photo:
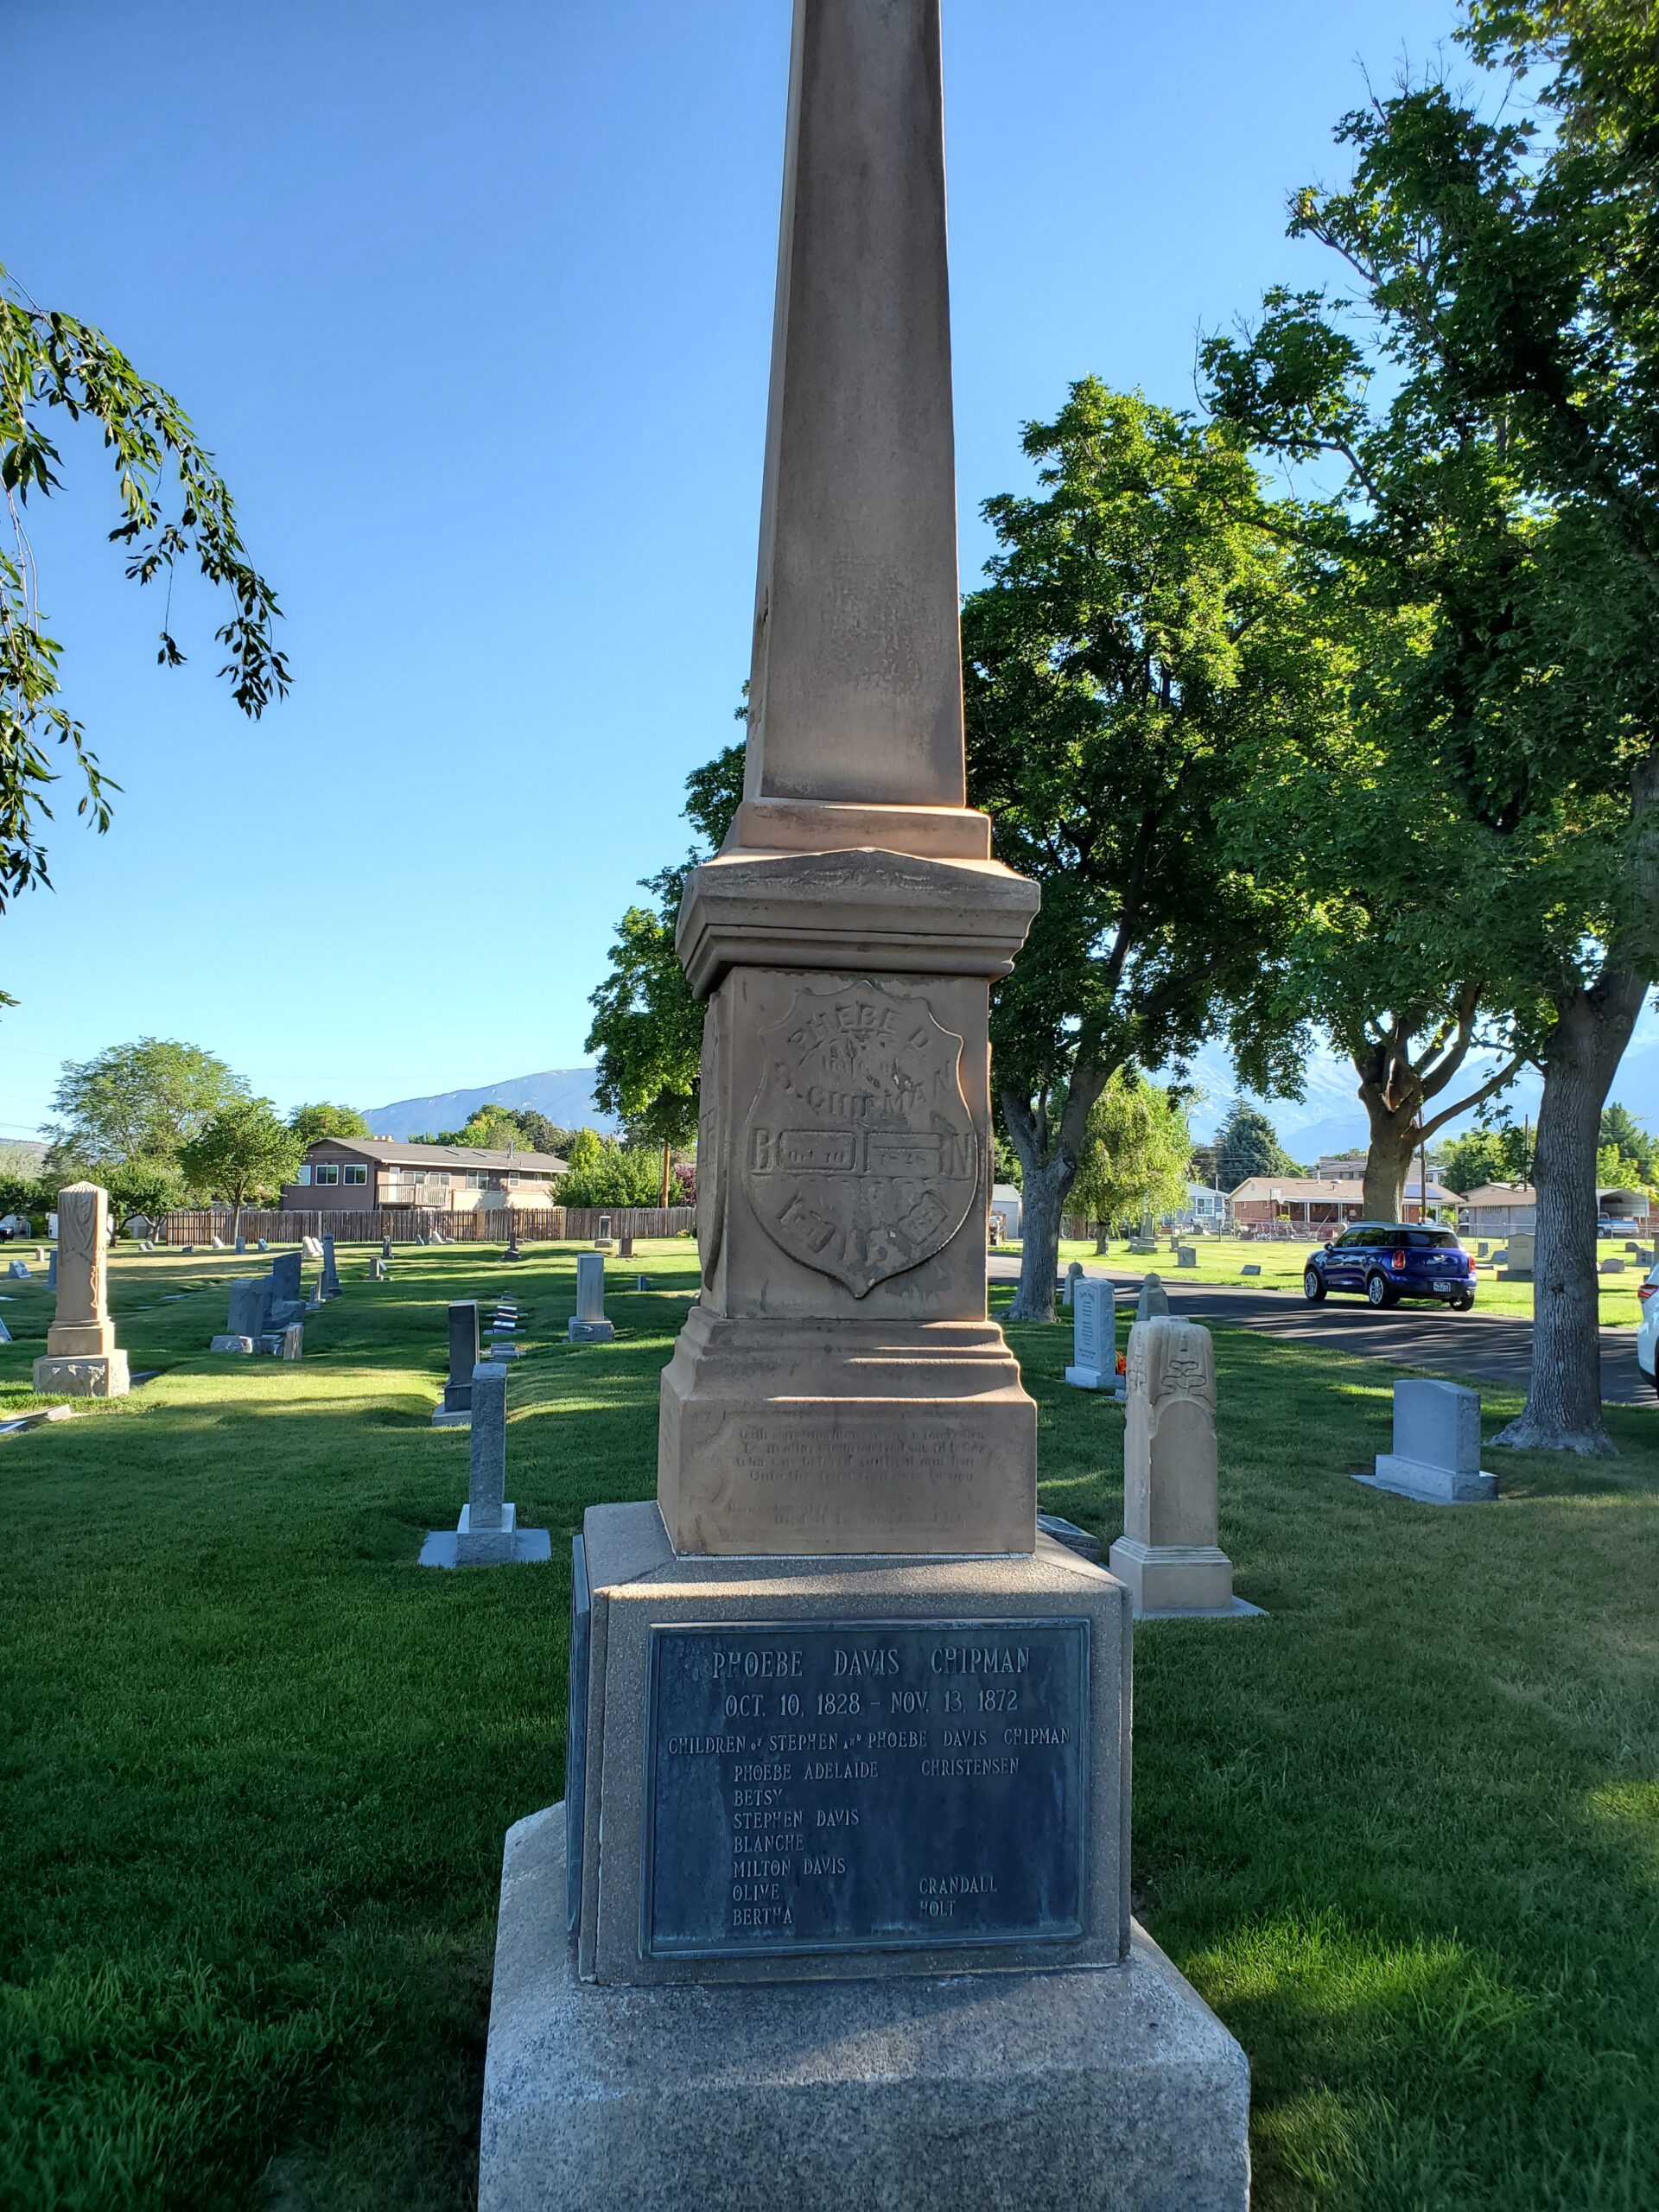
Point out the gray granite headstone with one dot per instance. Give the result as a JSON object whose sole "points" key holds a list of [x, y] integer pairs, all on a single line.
{"points": [[264, 1244], [589, 1325], [1153, 1300], [485, 1537], [52, 1270], [5, 1334], [1436, 1455], [285, 1278], [330, 1285], [385, 1248], [1073, 1276], [241, 1243], [463, 1355], [250, 1307], [19, 1270]]}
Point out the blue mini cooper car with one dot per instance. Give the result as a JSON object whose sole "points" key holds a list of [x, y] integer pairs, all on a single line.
{"points": [[1387, 1260]]}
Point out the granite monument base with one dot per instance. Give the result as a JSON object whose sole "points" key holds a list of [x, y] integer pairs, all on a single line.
{"points": [[244, 1346], [1113, 2089], [83, 1375], [591, 1332], [446, 1417], [813, 1769], [1427, 1484], [507, 1546]]}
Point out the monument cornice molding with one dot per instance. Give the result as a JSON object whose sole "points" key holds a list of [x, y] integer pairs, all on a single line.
{"points": [[865, 909]]}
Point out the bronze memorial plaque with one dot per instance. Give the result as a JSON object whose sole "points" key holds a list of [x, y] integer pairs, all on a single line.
{"points": [[865, 1785], [860, 1156]]}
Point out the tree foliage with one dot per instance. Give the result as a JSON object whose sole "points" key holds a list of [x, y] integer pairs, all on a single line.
{"points": [[243, 1154], [1245, 1144], [1141, 652], [1136, 1151], [312, 1123], [1499, 1153], [647, 1028], [604, 1173], [174, 506], [1484, 384], [124, 1116]]}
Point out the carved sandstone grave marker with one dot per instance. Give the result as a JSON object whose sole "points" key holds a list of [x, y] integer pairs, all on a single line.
{"points": [[82, 1359], [1169, 1554]]}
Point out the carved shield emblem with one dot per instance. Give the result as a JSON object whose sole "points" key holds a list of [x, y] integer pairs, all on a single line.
{"points": [[860, 1156]]}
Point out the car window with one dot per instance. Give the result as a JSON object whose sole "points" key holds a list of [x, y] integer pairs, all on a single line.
{"points": [[1435, 1240]]}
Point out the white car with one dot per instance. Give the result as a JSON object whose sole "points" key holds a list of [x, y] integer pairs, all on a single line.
{"points": [[1647, 1336]]}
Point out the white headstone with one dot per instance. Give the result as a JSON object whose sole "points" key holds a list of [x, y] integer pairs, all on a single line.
{"points": [[1169, 1553], [1094, 1336]]}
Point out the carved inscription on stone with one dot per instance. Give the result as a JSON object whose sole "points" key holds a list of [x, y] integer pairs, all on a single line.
{"points": [[865, 1784], [860, 1156]]}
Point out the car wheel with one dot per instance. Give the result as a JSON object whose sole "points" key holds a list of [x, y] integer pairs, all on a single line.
{"points": [[1312, 1285], [1380, 1291], [1464, 1305]]}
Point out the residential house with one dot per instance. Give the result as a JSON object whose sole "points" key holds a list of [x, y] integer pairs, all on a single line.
{"points": [[343, 1174], [1499, 1210], [1318, 1207], [1006, 1208]]}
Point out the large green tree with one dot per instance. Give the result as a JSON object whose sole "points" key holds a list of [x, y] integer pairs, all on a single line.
{"points": [[312, 1123], [172, 506], [1138, 653], [1245, 1144], [1487, 383], [124, 1116], [1136, 1152], [243, 1155]]}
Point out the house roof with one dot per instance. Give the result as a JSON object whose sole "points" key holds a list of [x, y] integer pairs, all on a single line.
{"points": [[1347, 1189], [390, 1153], [1503, 1194]]}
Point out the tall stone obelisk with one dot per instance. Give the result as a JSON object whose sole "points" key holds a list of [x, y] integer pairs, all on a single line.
{"points": [[838, 1387], [838, 1714]]}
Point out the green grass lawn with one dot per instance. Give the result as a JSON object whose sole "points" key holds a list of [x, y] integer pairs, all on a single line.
{"points": [[1224, 1259], [1403, 1833]]}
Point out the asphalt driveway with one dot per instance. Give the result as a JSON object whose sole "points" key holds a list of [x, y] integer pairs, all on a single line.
{"points": [[1487, 1347]]}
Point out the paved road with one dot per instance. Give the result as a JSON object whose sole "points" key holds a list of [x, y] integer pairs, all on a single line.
{"points": [[1488, 1347]]}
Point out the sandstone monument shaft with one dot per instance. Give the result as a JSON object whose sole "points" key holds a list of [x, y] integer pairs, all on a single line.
{"points": [[856, 690], [839, 1389]]}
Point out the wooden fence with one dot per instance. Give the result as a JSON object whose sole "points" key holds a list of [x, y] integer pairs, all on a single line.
{"points": [[403, 1224]]}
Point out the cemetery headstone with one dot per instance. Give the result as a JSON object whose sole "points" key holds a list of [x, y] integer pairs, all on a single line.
{"points": [[18, 1271], [1094, 1336], [241, 1244], [82, 1359], [488, 1534], [52, 1270], [1082, 1541], [1251, 1267], [846, 1503], [512, 1251], [1153, 1300], [385, 1248], [640, 1283], [263, 1244], [624, 1247], [287, 1290], [602, 1241], [1519, 1267], [588, 1324], [330, 1281], [1187, 1255], [1612, 1266], [219, 1243], [1169, 1554], [245, 1322], [379, 1271], [312, 1246], [1073, 1276], [1436, 1455], [454, 1408], [294, 1340], [1482, 1249]]}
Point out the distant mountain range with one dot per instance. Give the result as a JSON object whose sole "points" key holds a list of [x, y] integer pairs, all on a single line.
{"points": [[564, 1094], [1327, 1118]]}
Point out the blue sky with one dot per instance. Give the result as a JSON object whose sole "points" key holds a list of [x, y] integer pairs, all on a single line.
{"points": [[473, 306]]}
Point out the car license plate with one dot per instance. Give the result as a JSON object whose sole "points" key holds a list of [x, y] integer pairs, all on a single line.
{"points": [[1445, 1286]]}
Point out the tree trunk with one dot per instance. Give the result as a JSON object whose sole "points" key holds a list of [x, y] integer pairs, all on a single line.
{"points": [[666, 1162], [1387, 1163], [1563, 1408], [1041, 1197], [1103, 1238]]}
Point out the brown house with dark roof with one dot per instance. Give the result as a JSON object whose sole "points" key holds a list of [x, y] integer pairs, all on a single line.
{"points": [[341, 1174]]}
